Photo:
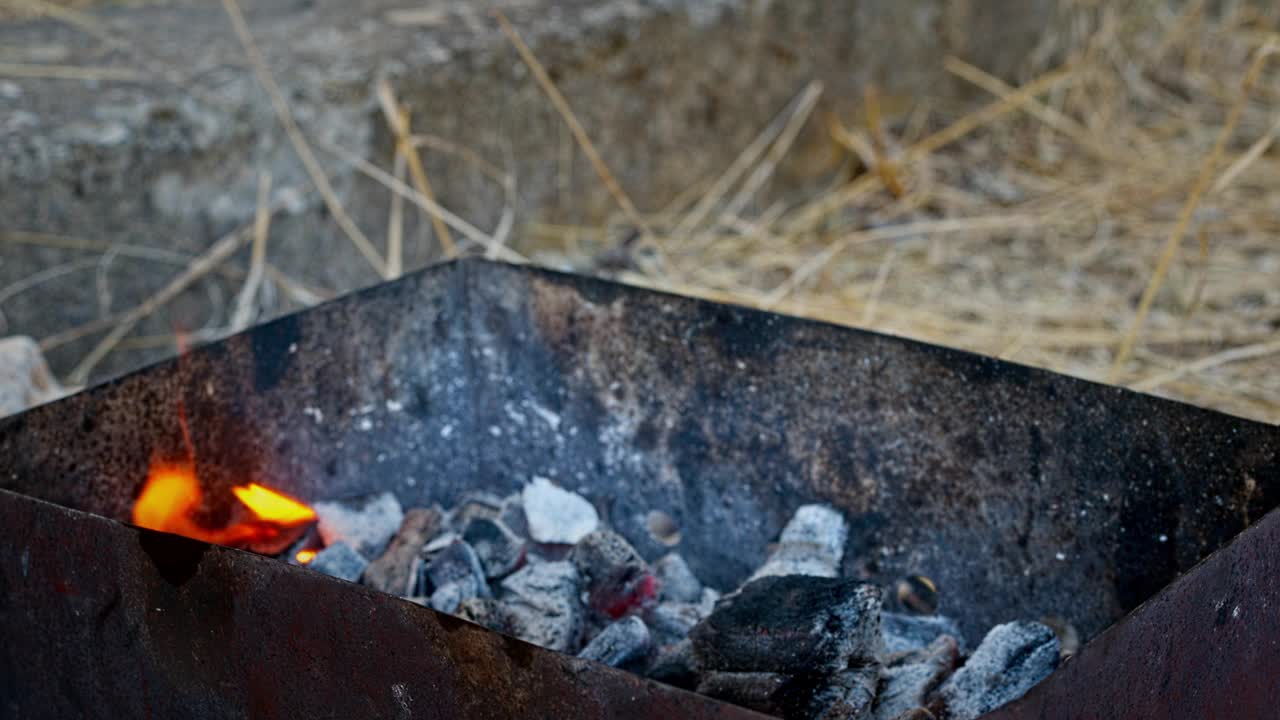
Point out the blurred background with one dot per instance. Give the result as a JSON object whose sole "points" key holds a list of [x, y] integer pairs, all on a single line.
{"points": [[1085, 186]]}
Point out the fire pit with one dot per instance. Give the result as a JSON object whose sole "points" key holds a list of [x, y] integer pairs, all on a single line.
{"points": [[1016, 493]]}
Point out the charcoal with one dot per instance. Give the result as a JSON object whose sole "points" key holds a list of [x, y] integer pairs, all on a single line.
{"points": [[676, 582], [512, 514], [440, 542], [671, 622], [555, 515], [366, 523], [341, 561], [915, 714], [624, 644], [487, 612], [474, 505], [456, 574], [767, 692], [847, 695], [542, 600], [907, 633], [393, 572], [792, 624], [500, 550], [616, 578], [1010, 661], [907, 683], [812, 543], [917, 594], [675, 665]]}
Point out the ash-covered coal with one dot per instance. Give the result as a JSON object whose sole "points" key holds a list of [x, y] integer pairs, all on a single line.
{"points": [[797, 639]]}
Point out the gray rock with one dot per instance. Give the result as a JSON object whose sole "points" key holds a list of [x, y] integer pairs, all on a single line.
{"points": [[366, 523], [792, 624], [907, 633], [847, 695], [456, 575], [341, 561], [676, 582], [543, 603], [500, 550], [624, 643], [556, 515], [906, 685], [1010, 661], [812, 543]]}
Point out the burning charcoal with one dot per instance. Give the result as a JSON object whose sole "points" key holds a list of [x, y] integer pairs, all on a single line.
{"points": [[918, 594], [340, 561], [1011, 659], [365, 523], [617, 579], [908, 682], [792, 624], [766, 692], [542, 600], [555, 515], [394, 570], [456, 575], [906, 633], [622, 644], [499, 549], [676, 581], [848, 695], [812, 543], [487, 612], [676, 665]]}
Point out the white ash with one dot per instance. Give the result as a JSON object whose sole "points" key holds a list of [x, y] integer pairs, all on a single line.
{"points": [[906, 633], [341, 561], [1012, 659], [677, 583], [556, 515], [625, 642], [366, 523], [907, 683], [812, 543], [544, 605]]}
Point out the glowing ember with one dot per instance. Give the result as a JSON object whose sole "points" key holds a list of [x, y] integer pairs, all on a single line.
{"points": [[172, 495], [305, 556], [271, 506]]}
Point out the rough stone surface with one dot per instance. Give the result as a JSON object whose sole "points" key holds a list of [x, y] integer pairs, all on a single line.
{"points": [[25, 379], [812, 543], [365, 523], [543, 601], [1010, 661], [906, 685], [676, 582], [906, 633], [341, 561], [392, 572], [622, 644], [792, 624], [556, 515]]}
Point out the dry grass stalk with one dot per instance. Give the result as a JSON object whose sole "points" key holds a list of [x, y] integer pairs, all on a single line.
{"points": [[246, 300], [299, 141], [397, 118], [69, 72]]}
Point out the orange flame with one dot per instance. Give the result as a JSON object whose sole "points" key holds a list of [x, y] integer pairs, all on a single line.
{"points": [[305, 556], [172, 495]]}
